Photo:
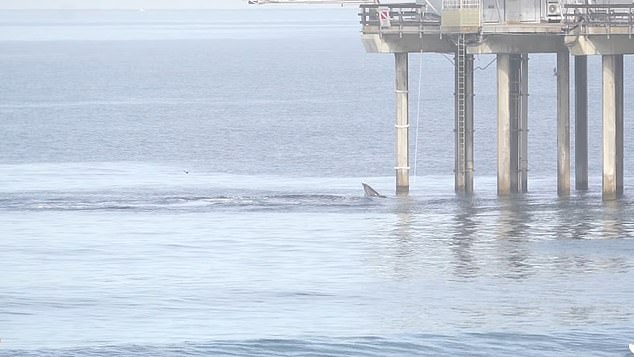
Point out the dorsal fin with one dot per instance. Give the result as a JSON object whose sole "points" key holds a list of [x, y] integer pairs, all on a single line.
{"points": [[370, 192]]}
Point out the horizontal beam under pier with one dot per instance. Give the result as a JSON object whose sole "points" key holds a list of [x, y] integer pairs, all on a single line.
{"points": [[375, 43], [600, 44], [518, 44]]}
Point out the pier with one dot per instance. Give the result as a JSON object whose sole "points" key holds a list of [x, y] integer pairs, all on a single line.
{"points": [[512, 30]]}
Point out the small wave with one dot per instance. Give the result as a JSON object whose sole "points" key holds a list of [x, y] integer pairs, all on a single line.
{"points": [[97, 202], [482, 344]]}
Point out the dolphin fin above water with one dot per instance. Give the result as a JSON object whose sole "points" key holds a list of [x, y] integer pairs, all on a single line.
{"points": [[370, 192]]}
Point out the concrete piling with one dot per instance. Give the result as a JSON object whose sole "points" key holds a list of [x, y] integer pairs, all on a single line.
{"points": [[402, 123], [563, 123], [612, 127], [523, 126], [512, 123], [503, 125], [581, 122]]}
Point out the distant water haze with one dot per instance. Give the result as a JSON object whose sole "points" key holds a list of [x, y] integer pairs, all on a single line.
{"points": [[123, 4]]}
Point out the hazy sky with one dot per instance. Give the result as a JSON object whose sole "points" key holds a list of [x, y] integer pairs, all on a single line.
{"points": [[122, 4]]}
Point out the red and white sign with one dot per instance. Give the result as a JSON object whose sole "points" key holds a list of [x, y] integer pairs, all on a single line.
{"points": [[384, 17]]}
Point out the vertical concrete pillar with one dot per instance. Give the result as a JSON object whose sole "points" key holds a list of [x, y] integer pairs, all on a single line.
{"points": [[515, 113], [581, 122], [619, 79], [563, 123], [512, 123], [523, 126], [612, 126], [504, 125], [464, 164], [402, 124]]}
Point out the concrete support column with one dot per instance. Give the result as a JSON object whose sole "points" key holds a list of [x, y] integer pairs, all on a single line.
{"points": [[612, 126], [519, 122], [515, 76], [512, 123], [563, 124], [581, 122], [464, 164], [523, 126], [620, 78], [402, 124], [504, 125]]}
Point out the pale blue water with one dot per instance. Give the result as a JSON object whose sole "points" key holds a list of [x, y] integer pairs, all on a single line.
{"points": [[176, 183]]}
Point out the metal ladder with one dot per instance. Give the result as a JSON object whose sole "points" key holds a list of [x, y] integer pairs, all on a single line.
{"points": [[461, 103]]}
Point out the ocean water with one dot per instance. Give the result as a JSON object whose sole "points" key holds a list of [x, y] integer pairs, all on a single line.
{"points": [[188, 183]]}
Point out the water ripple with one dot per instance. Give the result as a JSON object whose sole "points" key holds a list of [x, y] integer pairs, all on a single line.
{"points": [[473, 344]]}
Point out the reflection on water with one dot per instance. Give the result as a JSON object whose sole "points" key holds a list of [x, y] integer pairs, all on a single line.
{"points": [[512, 235], [614, 226], [474, 235], [466, 233]]}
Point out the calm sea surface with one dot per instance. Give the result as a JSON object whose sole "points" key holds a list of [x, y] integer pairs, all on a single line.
{"points": [[188, 183]]}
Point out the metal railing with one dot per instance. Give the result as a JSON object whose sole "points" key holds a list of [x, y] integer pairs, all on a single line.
{"points": [[400, 15], [607, 16], [461, 4]]}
